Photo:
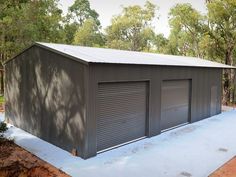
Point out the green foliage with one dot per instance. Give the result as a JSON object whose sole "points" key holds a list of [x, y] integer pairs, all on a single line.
{"points": [[69, 32], [132, 30], [222, 18], [209, 37], [23, 22], [2, 100], [222, 28], [160, 42], [89, 34], [78, 13], [187, 26], [3, 127], [212, 36]]}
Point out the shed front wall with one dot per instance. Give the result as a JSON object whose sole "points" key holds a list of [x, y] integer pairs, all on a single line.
{"points": [[46, 96], [202, 79]]}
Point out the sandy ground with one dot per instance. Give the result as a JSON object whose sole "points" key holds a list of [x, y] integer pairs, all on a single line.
{"points": [[17, 162], [227, 170]]}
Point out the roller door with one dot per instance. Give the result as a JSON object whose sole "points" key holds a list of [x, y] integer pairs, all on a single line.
{"points": [[121, 113], [175, 103]]}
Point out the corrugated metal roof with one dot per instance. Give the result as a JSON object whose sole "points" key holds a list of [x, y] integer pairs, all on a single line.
{"points": [[101, 55]]}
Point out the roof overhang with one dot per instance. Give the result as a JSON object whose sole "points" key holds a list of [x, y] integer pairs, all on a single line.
{"points": [[90, 55]]}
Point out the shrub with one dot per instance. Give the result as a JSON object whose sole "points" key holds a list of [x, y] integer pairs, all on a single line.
{"points": [[3, 127]]}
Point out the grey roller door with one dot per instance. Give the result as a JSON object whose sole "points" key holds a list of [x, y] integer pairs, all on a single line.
{"points": [[175, 103], [121, 113]]}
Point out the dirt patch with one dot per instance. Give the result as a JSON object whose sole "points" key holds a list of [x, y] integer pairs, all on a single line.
{"points": [[17, 162], [227, 170]]}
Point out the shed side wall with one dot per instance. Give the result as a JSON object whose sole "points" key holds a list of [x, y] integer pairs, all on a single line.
{"points": [[45, 96]]}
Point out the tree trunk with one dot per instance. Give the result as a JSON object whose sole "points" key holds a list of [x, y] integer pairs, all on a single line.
{"points": [[234, 87], [2, 82], [226, 86], [228, 80]]}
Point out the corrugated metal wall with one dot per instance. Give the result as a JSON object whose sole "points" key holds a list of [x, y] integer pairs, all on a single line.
{"points": [[202, 79], [46, 96]]}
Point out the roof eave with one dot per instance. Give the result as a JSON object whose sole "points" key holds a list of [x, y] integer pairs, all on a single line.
{"points": [[14, 57], [62, 53], [216, 67], [47, 48]]}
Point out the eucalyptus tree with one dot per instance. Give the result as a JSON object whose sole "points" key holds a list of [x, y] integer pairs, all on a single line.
{"points": [[187, 26], [89, 34], [222, 23], [132, 29], [78, 13]]}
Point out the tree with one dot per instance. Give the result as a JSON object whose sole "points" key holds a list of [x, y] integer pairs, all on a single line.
{"points": [[89, 34], [187, 26], [222, 18], [132, 30], [9, 11], [44, 21], [78, 13], [23, 21], [160, 43], [212, 36]]}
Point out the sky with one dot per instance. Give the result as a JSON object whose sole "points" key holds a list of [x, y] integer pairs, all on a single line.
{"points": [[108, 8]]}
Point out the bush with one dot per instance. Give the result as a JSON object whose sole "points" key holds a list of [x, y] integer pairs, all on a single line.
{"points": [[3, 127]]}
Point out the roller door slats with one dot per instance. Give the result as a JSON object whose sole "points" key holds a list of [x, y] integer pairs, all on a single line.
{"points": [[112, 120], [175, 103], [108, 142], [121, 113], [122, 133], [114, 113], [124, 105], [110, 94], [109, 99], [130, 107], [120, 126]]}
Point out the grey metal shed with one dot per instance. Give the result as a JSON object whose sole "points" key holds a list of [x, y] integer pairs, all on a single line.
{"points": [[94, 99]]}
